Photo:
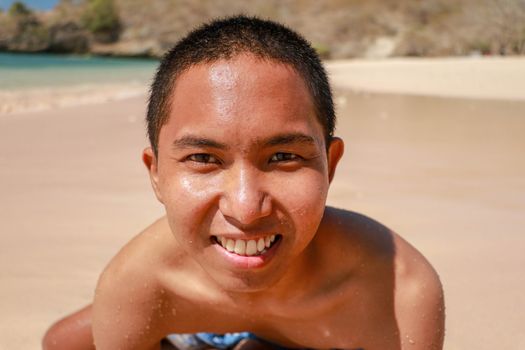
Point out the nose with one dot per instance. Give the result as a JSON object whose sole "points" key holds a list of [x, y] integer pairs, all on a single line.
{"points": [[244, 199]]}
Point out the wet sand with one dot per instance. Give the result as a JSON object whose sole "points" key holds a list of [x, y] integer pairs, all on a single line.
{"points": [[447, 174], [465, 77]]}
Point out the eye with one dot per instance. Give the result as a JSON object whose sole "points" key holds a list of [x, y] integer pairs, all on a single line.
{"points": [[203, 158], [284, 157]]}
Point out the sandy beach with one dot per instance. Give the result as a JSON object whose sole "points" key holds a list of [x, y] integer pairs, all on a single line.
{"points": [[434, 149]]}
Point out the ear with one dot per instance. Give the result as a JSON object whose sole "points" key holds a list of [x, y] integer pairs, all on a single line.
{"points": [[335, 152], [150, 160]]}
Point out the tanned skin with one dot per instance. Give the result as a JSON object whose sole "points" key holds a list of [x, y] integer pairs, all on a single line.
{"points": [[243, 157]]}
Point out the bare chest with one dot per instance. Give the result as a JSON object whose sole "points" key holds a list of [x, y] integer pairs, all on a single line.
{"points": [[359, 323]]}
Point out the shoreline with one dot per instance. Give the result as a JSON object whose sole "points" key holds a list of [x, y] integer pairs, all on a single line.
{"points": [[42, 99], [492, 78], [495, 78]]}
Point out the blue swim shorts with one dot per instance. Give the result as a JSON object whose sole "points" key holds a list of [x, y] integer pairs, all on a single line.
{"points": [[201, 341]]}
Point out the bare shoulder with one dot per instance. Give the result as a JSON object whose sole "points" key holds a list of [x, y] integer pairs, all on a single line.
{"points": [[372, 239], [419, 300], [396, 277], [141, 251], [141, 257], [129, 294]]}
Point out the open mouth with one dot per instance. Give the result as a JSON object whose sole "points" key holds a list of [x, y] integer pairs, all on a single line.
{"points": [[252, 247]]}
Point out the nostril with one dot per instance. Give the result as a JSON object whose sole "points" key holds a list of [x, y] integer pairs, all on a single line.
{"points": [[245, 212]]}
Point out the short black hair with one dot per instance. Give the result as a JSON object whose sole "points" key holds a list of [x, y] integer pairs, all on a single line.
{"points": [[226, 38]]}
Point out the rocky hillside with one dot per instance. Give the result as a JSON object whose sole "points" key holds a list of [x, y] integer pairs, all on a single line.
{"points": [[337, 28]]}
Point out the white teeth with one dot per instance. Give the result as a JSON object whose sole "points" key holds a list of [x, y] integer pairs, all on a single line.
{"points": [[260, 245], [240, 247], [230, 245], [251, 247], [267, 242]]}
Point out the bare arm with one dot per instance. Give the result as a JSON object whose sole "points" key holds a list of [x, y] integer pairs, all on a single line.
{"points": [[420, 309], [124, 313], [119, 322], [73, 332], [130, 310]]}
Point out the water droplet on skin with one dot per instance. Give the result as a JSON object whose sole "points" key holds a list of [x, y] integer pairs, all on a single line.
{"points": [[410, 341], [173, 312]]}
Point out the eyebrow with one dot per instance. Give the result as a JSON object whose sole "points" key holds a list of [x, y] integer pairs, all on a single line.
{"points": [[191, 141], [289, 138]]}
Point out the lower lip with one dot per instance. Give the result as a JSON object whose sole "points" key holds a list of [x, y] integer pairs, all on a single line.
{"points": [[249, 262]]}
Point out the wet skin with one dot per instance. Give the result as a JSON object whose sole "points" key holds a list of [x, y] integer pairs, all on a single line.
{"points": [[243, 156]]}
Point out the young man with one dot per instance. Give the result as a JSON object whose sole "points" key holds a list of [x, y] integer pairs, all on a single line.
{"points": [[242, 153]]}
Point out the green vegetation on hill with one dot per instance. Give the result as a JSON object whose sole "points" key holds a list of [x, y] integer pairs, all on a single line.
{"points": [[22, 29], [18, 8], [101, 18], [337, 28]]}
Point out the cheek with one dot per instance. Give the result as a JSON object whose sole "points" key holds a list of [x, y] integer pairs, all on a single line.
{"points": [[184, 188], [304, 200], [187, 199]]}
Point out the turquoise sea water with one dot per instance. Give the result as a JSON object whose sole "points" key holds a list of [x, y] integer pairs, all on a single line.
{"points": [[24, 71]]}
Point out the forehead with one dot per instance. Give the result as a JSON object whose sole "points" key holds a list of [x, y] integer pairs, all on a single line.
{"points": [[238, 95], [244, 76]]}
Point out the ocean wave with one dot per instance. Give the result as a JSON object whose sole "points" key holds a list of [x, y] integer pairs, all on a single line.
{"points": [[39, 99]]}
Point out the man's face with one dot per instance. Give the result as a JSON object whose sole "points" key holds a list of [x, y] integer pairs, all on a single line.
{"points": [[242, 169]]}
